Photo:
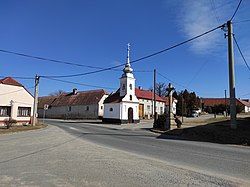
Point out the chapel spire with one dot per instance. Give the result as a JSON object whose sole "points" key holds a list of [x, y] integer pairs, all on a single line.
{"points": [[127, 68]]}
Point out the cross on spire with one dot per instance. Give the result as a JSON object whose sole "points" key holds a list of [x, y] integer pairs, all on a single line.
{"points": [[128, 51]]}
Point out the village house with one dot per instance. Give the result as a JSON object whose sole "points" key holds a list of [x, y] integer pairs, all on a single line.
{"points": [[174, 103], [210, 102], [146, 103], [123, 105], [73, 105], [16, 102]]}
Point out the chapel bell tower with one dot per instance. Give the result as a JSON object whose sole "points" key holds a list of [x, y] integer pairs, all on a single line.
{"points": [[127, 81]]}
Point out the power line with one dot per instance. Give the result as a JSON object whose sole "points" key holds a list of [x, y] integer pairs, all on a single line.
{"points": [[14, 77], [236, 10], [197, 73], [82, 84], [49, 59], [242, 21], [23, 89], [238, 47], [137, 60], [214, 10]]}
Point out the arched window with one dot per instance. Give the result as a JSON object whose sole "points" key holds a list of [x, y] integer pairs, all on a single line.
{"points": [[111, 109], [130, 86], [130, 97]]}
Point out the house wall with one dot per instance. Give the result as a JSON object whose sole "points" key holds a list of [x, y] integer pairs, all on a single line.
{"points": [[17, 97], [71, 112], [148, 107], [124, 110], [174, 107], [247, 109], [115, 113], [101, 106]]}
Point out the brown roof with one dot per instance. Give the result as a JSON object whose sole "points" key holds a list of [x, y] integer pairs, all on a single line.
{"points": [[81, 98], [217, 101], [10, 81], [114, 97], [48, 100], [147, 94]]}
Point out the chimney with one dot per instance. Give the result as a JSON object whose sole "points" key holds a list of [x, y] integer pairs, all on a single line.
{"points": [[140, 88], [74, 91]]}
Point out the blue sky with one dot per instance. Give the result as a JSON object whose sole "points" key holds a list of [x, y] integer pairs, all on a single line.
{"points": [[96, 33]]}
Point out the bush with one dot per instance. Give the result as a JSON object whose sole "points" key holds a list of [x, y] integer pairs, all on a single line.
{"points": [[10, 122], [160, 122]]}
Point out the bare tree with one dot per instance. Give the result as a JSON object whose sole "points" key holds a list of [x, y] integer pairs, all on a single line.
{"points": [[57, 93]]}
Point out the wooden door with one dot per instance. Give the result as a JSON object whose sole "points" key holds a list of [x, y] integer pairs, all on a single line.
{"points": [[130, 115], [141, 110]]}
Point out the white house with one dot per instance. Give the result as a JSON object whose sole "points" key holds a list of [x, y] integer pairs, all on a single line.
{"points": [[174, 102], [15, 102], [146, 103], [123, 105], [74, 105]]}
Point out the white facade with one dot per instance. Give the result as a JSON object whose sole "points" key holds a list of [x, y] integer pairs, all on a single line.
{"points": [[125, 106], [15, 103], [148, 107]]}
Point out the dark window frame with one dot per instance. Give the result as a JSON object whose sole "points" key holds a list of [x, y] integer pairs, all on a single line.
{"points": [[23, 111], [7, 111]]}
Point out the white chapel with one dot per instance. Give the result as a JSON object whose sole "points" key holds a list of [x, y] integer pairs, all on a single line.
{"points": [[123, 105]]}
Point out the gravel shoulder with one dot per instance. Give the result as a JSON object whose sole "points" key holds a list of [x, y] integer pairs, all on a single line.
{"points": [[52, 157]]}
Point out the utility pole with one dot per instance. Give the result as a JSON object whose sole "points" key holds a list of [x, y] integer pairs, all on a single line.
{"points": [[154, 97], [35, 100], [182, 108], [226, 102], [231, 75]]}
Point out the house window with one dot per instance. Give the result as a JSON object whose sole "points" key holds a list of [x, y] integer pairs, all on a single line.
{"points": [[130, 86], [87, 108], [111, 109], [101, 107], [148, 107], [23, 111], [69, 108], [5, 111], [130, 97], [161, 110]]}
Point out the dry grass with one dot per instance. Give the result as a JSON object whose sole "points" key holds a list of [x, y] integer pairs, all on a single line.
{"points": [[215, 132], [19, 128]]}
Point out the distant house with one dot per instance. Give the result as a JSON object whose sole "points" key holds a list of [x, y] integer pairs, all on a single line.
{"points": [[146, 100], [15, 102], [74, 105], [174, 100], [210, 102]]}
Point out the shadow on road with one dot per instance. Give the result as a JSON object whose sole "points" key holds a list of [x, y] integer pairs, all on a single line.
{"points": [[217, 132]]}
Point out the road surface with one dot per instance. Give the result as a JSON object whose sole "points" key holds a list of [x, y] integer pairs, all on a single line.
{"points": [[81, 154]]}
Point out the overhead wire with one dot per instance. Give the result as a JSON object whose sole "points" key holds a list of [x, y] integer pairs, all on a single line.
{"points": [[236, 10], [81, 84], [17, 90], [238, 47], [137, 60]]}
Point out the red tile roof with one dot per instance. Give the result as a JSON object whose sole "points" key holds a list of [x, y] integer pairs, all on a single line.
{"points": [[81, 98], [147, 94], [48, 100], [10, 81], [217, 101], [167, 100]]}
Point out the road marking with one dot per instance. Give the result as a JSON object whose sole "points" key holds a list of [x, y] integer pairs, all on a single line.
{"points": [[72, 128]]}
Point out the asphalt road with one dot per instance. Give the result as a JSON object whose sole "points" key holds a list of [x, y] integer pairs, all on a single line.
{"points": [[81, 154], [208, 158]]}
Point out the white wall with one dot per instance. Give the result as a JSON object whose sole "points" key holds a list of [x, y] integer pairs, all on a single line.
{"points": [[20, 98], [149, 111], [115, 114], [101, 106], [124, 108]]}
